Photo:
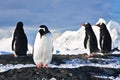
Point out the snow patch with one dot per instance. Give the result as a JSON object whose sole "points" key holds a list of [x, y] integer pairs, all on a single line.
{"points": [[4, 68], [72, 40], [101, 20]]}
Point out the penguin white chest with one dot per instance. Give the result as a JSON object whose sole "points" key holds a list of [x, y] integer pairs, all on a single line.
{"points": [[88, 46], [43, 49]]}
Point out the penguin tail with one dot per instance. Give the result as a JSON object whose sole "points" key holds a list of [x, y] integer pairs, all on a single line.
{"points": [[115, 49]]}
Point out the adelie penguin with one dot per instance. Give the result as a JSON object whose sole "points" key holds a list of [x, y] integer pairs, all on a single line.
{"points": [[90, 41], [105, 38], [43, 47], [19, 42]]}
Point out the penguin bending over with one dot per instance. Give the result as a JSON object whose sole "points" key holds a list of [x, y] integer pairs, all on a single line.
{"points": [[43, 47], [105, 38], [90, 40], [19, 42]]}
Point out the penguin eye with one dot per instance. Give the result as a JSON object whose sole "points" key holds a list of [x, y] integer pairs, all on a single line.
{"points": [[42, 29]]}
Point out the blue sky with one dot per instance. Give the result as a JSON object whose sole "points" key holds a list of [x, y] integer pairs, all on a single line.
{"points": [[57, 13]]}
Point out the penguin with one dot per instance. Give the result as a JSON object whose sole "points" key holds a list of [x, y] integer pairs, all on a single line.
{"points": [[105, 38], [19, 41], [43, 47], [90, 40]]}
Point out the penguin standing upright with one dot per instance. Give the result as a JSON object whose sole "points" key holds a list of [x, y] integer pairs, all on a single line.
{"points": [[90, 41], [105, 38], [43, 47], [19, 42]]}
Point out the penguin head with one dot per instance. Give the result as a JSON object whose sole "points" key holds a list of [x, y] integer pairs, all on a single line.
{"points": [[101, 25], [19, 25], [43, 30], [87, 25]]}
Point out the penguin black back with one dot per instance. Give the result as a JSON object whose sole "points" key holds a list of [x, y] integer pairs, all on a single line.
{"points": [[105, 38], [19, 42], [90, 36]]}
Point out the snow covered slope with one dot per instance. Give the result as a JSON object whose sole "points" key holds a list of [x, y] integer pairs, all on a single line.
{"points": [[114, 29], [68, 42], [74, 39], [71, 39]]}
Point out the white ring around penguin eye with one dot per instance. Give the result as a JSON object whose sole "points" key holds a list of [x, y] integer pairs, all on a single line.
{"points": [[101, 23], [42, 29]]}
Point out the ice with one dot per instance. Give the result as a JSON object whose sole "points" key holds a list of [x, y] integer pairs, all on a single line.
{"points": [[101, 20], [4, 68], [69, 42], [118, 78], [113, 62], [72, 40], [74, 63], [66, 43]]}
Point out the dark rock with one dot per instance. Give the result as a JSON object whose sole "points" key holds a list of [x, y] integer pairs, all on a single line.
{"points": [[32, 73]]}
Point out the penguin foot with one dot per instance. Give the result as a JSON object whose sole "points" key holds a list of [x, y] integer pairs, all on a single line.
{"points": [[88, 56], [45, 66], [39, 65], [15, 55], [42, 66]]}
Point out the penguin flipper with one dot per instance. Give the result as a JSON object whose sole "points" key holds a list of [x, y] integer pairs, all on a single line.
{"points": [[101, 42], [13, 42], [85, 41]]}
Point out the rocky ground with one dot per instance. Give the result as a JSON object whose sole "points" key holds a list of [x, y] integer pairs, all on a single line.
{"points": [[32, 73]]}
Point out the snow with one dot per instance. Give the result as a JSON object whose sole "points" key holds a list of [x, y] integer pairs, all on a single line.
{"points": [[114, 29], [49, 79], [67, 43], [109, 77], [70, 42], [7, 67], [113, 62], [75, 63], [106, 77], [73, 40], [5, 46], [118, 78], [101, 20]]}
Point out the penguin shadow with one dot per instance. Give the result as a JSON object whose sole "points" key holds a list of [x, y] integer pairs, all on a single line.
{"points": [[103, 55]]}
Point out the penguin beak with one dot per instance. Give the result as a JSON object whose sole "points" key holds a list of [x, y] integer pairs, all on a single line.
{"points": [[96, 25], [82, 25]]}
